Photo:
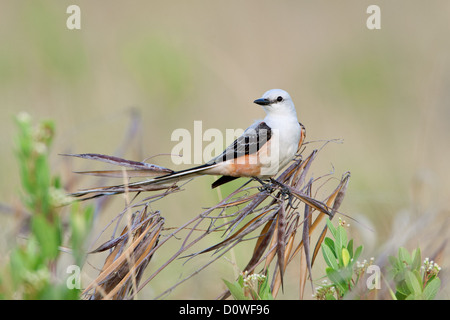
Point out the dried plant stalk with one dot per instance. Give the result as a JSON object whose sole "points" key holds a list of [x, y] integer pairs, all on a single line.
{"points": [[114, 280], [272, 218]]}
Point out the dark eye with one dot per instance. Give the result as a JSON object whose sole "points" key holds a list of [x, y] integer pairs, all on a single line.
{"points": [[280, 98]]}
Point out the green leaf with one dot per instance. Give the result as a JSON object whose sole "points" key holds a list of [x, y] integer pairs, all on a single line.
{"points": [[431, 289], [404, 256], [264, 290], [338, 239], [393, 262], [19, 264], [350, 248], [80, 223], [413, 283], [329, 257], [330, 243], [48, 236], [331, 228], [240, 280], [400, 295], [340, 242], [236, 290], [402, 289], [345, 256], [337, 279], [416, 259], [357, 253], [329, 296]]}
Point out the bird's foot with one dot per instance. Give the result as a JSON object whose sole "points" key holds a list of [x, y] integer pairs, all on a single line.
{"points": [[285, 192], [265, 186]]}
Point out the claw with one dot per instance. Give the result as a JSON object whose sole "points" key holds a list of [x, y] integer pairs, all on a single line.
{"points": [[290, 196], [271, 186], [265, 186], [284, 192]]}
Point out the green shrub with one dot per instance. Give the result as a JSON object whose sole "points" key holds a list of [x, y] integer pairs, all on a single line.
{"points": [[31, 272]]}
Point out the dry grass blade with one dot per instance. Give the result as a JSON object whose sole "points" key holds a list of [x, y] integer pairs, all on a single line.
{"points": [[305, 261], [239, 201], [137, 268], [315, 204], [303, 274], [272, 251], [87, 194], [335, 200], [281, 244], [123, 237], [243, 231], [140, 169], [261, 243], [279, 274], [121, 162], [298, 178], [113, 282], [328, 204], [251, 207]]}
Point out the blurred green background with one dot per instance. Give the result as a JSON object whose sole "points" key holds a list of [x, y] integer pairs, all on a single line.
{"points": [[384, 92]]}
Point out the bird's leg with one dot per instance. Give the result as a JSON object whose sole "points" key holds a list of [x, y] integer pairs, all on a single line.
{"points": [[265, 186], [284, 190]]}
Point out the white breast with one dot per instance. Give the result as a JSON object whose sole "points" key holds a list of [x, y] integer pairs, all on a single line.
{"points": [[286, 133]]}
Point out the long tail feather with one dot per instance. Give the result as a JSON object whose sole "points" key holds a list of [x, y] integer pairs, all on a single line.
{"points": [[157, 183], [140, 173]]}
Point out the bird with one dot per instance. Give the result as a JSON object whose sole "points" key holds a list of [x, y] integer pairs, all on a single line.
{"points": [[261, 152]]}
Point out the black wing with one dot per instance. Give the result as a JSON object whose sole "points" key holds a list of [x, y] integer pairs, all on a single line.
{"points": [[248, 143]]}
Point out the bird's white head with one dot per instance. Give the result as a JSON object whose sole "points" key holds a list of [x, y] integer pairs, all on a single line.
{"points": [[277, 102]]}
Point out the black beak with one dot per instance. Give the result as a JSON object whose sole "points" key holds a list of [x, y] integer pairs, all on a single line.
{"points": [[262, 102]]}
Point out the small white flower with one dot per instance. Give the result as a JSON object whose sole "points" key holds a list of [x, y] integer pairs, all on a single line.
{"points": [[24, 117], [40, 148]]}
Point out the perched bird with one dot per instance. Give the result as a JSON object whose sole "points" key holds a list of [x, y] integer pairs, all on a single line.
{"points": [[260, 152]]}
